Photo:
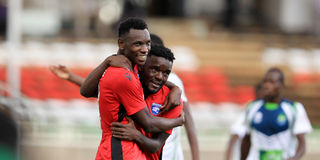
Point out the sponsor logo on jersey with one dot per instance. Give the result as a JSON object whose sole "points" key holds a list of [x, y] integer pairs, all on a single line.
{"points": [[155, 108], [128, 75], [271, 155]]}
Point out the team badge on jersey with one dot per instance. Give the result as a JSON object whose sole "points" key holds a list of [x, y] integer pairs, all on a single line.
{"points": [[281, 120], [155, 108]]}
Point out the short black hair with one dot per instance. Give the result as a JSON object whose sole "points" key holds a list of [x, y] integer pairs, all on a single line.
{"points": [[155, 39], [131, 23], [161, 51], [274, 69]]}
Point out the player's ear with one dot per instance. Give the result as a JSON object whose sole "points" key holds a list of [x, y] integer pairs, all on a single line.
{"points": [[121, 44]]}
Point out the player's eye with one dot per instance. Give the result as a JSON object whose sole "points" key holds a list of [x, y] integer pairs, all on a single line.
{"points": [[153, 70], [138, 43], [166, 73]]}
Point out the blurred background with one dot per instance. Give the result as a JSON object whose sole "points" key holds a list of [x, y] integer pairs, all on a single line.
{"points": [[222, 48]]}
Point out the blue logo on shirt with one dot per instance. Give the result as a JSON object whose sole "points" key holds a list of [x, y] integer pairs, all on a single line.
{"points": [[155, 108]]}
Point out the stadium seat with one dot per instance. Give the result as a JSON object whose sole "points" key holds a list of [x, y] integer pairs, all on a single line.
{"points": [[3, 74], [243, 94], [301, 78]]}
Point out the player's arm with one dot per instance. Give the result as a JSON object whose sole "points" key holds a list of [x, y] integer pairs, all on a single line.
{"points": [[191, 132], [130, 95], [153, 124], [89, 88], [232, 142], [238, 130], [301, 127], [246, 140], [245, 147], [301, 149], [152, 145], [64, 72], [128, 132], [172, 99]]}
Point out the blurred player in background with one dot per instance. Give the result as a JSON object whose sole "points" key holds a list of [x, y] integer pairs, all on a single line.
{"points": [[238, 130], [9, 135], [172, 149], [275, 126]]}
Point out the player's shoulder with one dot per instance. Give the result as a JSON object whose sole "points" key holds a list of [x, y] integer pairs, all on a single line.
{"points": [[121, 73], [165, 89], [297, 106], [119, 77], [116, 70], [287, 101], [163, 92], [255, 103]]}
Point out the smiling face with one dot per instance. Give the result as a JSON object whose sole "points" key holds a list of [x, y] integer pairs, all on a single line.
{"points": [[155, 73], [271, 85], [136, 45]]}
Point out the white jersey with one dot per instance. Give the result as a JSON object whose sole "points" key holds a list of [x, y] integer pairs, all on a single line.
{"points": [[172, 149], [239, 129], [273, 128], [173, 78]]}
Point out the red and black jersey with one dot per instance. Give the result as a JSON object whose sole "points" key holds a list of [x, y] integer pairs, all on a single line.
{"points": [[120, 93], [154, 102]]}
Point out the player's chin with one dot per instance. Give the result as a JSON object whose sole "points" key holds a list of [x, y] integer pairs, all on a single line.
{"points": [[140, 62], [269, 96], [153, 90]]}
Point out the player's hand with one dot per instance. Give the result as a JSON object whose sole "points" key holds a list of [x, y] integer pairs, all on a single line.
{"points": [[173, 99], [120, 61], [126, 132], [60, 71]]}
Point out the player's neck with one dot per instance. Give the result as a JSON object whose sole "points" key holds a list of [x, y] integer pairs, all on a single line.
{"points": [[132, 63], [146, 92], [276, 99]]}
